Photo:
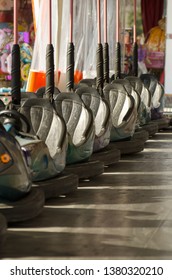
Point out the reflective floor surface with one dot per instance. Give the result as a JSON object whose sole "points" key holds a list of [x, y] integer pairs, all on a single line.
{"points": [[126, 213]]}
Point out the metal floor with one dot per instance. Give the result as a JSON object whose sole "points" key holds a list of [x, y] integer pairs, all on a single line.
{"points": [[126, 213]]}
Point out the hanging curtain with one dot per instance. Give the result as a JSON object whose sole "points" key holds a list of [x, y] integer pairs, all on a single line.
{"points": [[37, 77], [152, 11]]}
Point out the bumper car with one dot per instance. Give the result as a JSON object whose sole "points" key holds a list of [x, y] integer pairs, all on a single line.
{"points": [[141, 135], [19, 201], [145, 108], [102, 119], [157, 91], [124, 117], [81, 133], [50, 128]]}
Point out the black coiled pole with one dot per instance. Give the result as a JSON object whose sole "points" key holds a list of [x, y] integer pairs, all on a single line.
{"points": [[70, 67], [99, 66], [49, 72], [117, 73], [15, 75], [135, 59], [135, 46], [70, 54], [106, 62], [105, 47]]}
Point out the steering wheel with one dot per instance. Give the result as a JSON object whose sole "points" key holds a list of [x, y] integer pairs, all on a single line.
{"points": [[21, 123]]}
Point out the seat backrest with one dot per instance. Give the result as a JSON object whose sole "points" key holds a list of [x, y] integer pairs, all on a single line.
{"points": [[122, 108], [130, 89], [146, 97], [149, 80], [27, 95], [140, 88], [78, 118], [121, 103], [46, 124], [157, 96], [90, 97], [88, 82], [99, 107], [40, 93], [136, 83], [155, 88]]}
